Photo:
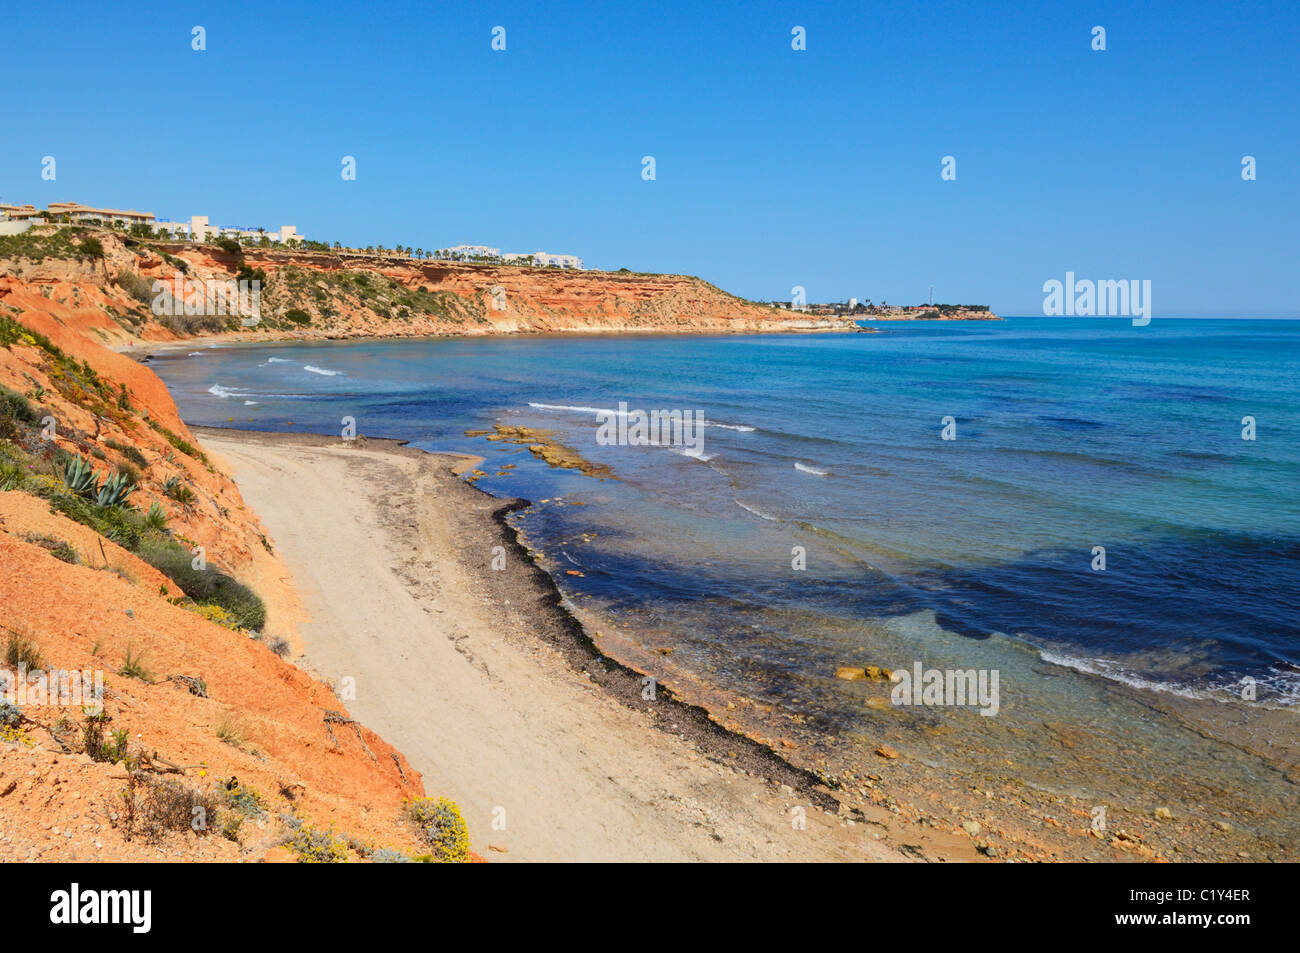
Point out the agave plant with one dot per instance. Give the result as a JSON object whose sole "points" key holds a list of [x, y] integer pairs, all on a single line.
{"points": [[80, 477], [178, 491], [11, 476], [115, 490], [156, 518]]}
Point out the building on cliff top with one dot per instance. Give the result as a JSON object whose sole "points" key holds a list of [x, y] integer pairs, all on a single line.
{"points": [[196, 229], [18, 213], [76, 212], [474, 251], [543, 259]]}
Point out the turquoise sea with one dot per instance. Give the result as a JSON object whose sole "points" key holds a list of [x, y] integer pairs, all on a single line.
{"points": [[974, 552]]}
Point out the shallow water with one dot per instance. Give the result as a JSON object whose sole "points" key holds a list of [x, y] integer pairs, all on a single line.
{"points": [[971, 553]]}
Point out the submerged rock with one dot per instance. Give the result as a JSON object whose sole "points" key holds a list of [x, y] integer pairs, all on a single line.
{"points": [[872, 672]]}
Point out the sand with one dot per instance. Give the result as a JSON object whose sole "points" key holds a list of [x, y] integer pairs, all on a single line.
{"points": [[476, 677]]}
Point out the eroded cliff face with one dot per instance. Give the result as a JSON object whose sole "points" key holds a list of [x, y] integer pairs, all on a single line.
{"points": [[310, 295], [356, 296], [202, 701]]}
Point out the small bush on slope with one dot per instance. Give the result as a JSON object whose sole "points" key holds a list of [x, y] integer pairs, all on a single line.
{"points": [[444, 829]]}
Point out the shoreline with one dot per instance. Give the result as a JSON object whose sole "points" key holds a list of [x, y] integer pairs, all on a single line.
{"points": [[603, 698], [560, 626], [698, 713], [142, 350]]}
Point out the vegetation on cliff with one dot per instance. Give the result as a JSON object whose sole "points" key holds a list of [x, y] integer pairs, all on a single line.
{"points": [[126, 552]]}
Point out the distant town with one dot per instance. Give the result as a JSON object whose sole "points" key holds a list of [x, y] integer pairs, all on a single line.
{"points": [[16, 218], [867, 309]]}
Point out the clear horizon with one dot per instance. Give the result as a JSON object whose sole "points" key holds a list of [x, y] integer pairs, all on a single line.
{"points": [[774, 168]]}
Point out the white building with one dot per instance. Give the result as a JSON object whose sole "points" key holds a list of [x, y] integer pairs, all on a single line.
{"points": [[544, 259], [175, 229], [474, 251], [199, 230]]}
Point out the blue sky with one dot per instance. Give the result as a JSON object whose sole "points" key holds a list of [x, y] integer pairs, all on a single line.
{"points": [[775, 168]]}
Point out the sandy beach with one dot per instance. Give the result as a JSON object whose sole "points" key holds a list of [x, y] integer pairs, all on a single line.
{"points": [[487, 685]]}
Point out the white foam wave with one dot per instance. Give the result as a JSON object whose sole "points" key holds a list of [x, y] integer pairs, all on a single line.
{"points": [[756, 511], [1108, 669], [742, 428], [807, 469], [581, 410], [219, 390], [320, 370]]}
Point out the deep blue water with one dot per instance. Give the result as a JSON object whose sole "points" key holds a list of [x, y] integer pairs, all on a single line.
{"points": [[1070, 434]]}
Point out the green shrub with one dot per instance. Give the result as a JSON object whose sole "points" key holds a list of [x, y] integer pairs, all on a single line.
{"points": [[178, 491], [245, 273], [314, 846], [297, 316], [58, 548], [12, 475], [440, 821], [171, 805], [184, 446], [133, 666], [20, 650], [11, 716], [15, 410], [229, 245], [186, 324], [244, 799], [123, 526], [91, 248], [131, 453], [136, 285], [204, 586], [93, 743]]}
